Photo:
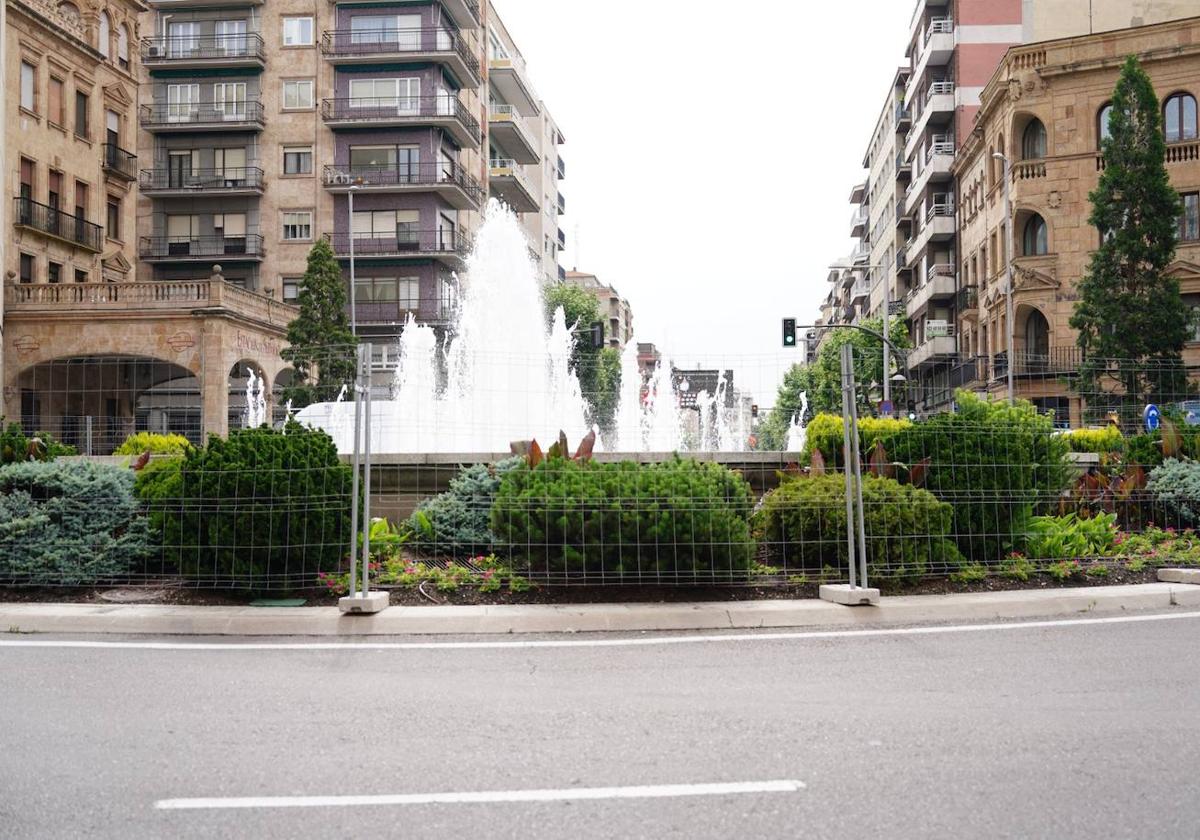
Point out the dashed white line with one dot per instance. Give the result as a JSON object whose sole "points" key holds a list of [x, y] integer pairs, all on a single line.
{"points": [[599, 642], [486, 796]]}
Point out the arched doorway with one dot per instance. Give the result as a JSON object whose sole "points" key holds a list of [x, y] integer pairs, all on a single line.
{"points": [[94, 402], [283, 380], [1037, 342]]}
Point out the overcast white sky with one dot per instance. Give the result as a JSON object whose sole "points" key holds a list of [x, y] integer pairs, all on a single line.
{"points": [[710, 156]]}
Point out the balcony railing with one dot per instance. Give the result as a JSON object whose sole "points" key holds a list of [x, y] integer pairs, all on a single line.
{"points": [[401, 175], [190, 114], [398, 109], [119, 162], [202, 180], [939, 26], [214, 48], [54, 222], [371, 43], [248, 246], [401, 243], [184, 295], [940, 88], [967, 299]]}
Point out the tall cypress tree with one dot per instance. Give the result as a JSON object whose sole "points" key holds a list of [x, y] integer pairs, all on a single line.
{"points": [[1131, 319], [321, 346]]}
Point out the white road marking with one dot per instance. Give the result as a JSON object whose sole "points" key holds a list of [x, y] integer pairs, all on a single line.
{"points": [[475, 797], [601, 642]]}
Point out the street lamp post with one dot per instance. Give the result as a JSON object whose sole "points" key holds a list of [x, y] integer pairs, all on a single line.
{"points": [[887, 320], [350, 233], [1008, 260]]}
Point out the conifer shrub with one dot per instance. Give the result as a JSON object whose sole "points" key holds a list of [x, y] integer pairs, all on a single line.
{"points": [[154, 443], [69, 523], [261, 509], [908, 530], [457, 522], [676, 520]]}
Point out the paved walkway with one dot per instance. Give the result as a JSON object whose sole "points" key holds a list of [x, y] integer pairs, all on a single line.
{"points": [[570, 618]]}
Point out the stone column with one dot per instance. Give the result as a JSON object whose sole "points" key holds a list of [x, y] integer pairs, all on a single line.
{"points": [[214, 371]]}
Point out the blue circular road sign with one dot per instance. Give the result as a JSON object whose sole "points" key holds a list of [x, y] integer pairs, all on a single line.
{"points": [[1151, 416]]}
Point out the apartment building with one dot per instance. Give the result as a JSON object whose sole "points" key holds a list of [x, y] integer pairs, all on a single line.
{"points": [[615, 310], [1045, 109], [953, 49], [173, 162]]}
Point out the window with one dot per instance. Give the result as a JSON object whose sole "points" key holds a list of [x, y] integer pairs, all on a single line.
{"points": [[54, 272], [1033, 141], [298, 94], [1103, 131], [1035, 240], [28, 86], [229, 100], [230, 165], [27, 268], [113, 219], [371, 161], [57, 113], [401, 94], [404, 31], [229, 225], [297, 31], [82, 127], [297, 160], [183, 102], [1189, 220], [386, 224], [81, 275], [123, 46], [291, 288], [1179, 118], [297, 224], [105, 35]]}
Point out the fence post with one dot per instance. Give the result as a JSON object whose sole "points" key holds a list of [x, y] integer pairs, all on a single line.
{"points": [[362, 601], [856, 542]]}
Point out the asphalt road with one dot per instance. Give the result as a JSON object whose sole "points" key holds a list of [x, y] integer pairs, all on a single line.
{"points": [[1055, 731]]}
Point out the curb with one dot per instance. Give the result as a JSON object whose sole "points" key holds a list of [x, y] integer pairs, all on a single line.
{"points": [[134, 619]]}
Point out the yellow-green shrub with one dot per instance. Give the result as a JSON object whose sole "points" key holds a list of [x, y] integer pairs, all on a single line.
{"points": [[1108, 439], [155, 444], [824, 432]]}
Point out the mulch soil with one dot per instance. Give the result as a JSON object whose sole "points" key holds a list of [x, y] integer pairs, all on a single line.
{"points": [[172, 592]]}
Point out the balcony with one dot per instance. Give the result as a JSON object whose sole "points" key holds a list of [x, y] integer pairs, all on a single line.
{"points": [[162, 117], [937, 48], [966, 302], [446, 246], [903, 118], [507, 75], [139, 298], [207, 4], [197, 52], [562, 169], [858, 193], [860, 291], [74, 230], [229, 180], [248, 247], [936, 168], [507, 129], [936, 348], [903, 168], [507, 181], [443, 111], [937, 110], [118, 162], [450, 181], [562, 238], [396, 312], [858, 223], [562, 204], [433, 45], [939, 226], [938, 285]]}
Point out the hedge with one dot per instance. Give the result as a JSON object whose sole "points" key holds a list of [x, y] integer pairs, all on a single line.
{"points": [[825, 433], [679, 519], [907, 528]]}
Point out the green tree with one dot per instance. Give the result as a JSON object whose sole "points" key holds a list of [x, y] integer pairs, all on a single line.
{"points": [[598, 369], [772, 432], [321, 346], [1131, 319]]}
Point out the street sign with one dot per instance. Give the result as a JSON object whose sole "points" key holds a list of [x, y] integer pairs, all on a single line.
{"points": [[1151, 417], [887, 408]]}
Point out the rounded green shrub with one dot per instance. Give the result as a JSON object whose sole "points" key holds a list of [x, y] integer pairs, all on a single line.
{"points": [[155, 444], [261, 509], [456, 522], [907, 529], [1176, 487], [70, 523], [825, 433], [1101, 441], [676, 520]]}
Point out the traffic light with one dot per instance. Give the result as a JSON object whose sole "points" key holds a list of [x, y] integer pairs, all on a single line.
{"points": [[597, 335], [754, 411], [789, 332]]}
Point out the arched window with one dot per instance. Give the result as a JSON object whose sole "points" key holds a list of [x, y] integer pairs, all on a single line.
{"points": [[105, 34], [1179, 118], [1035, 240], [123, 46], [1033, 141], [1102, 130], [1037, 339]]}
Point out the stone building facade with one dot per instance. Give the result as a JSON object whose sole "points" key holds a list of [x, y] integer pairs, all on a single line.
{"points": [[615, 310], [1044, 111]]}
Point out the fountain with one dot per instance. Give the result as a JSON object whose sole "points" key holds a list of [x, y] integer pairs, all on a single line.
{"points": [[796, 432], [255, 412], [503, 376]]}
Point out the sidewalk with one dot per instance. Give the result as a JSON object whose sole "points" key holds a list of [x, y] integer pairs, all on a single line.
{"points": [[580, 618]]}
